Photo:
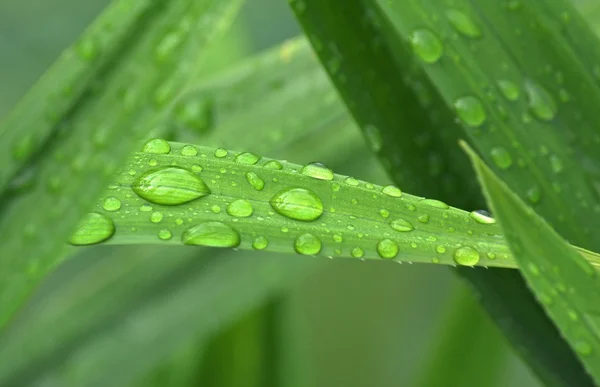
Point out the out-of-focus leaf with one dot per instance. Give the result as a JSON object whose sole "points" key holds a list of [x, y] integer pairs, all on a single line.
{"points": [[566, 285], [74, 128]]}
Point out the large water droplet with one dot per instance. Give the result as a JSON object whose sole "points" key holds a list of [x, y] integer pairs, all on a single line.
{"points": [[463, 23], [482, 216], [426, 45], [213, 234], [170, 186], [401, 225], [317, 171], [466, 256], [111, 204], [247, 158], [509, 89], [392, 191], [157, 146], [307, 244], [255, 181], [470, 111], [297, 203], [387, 248], [240, 208], [541, 103], [501, 157], [93, 228]]}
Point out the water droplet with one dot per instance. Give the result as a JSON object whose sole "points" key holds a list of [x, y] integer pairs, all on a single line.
{"points": [[247, 158], [556, 164], [491, 255], [338, 238], [501, 157], [392, 191], [509, 89], [221, 152], [463, 23], [385, 213], [189, 150], [87, 49], [111, 203], [215, 209], [470, 111], [426, 45], [317, 171], [434, 203], [240, 208], [533, 268], [482, 216], [170, 186], [164, 234], [297, 203], [387, 248], [156, 217], [196, 168], [307, 244], [157, 146], [374, 139], [466, 256], [273, 164], [212, 234], [401, 225], [195, 114], [351, 181], [424, 218], [145, 208], [93, 228], [440, 249], [357, 252], [260, 243], [541, 103], [255, 181], [534, 194]]}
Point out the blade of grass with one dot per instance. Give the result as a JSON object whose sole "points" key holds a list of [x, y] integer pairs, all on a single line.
{"points": [[94, 136], [566, 285], [369, 55]]}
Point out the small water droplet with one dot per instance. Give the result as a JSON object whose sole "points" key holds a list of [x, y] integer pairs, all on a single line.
{"points": [[509, 90], [392, 191], [387, 248], [501, 157], [426, 45], [351, 181], [215, 209], [533, 268], [260, 243], [145, 208], [93, 228], [156, 217], [240, 208], [212, 234], [221, 152], [164, 234], [373, 135], [466, 256], [317, 171], [307, 244], [338, 238], [357, 252], [534, 194], [170, 186], [541, 103], [111, 203], [157, 146], [87, 49], [470, 111], [297, 203], [273, 164], [255, 181], [482, 216], [247, 158], [401, 225], [189, 150], [463, 23], [434, 203], [385, 213], [424, 218]]}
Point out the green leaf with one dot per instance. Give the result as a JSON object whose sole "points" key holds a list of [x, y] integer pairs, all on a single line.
{"points": [[121, 87], [564, 283]]}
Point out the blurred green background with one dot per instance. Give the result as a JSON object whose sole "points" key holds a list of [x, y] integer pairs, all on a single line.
{"points": [[347, 323]]}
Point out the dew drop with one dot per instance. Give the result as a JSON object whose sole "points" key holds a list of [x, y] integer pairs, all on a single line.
{"points": [[255, 181], [351, 181], [387, 248], [164, 234], [466, 256], [470, 111], [338, 238], [189, 150], [541, 103], [170, 186], [385, 213], [317, 171], [273, 164], [145, 208], [111, 203], [212, 234], [247, 158], [157, 146], [434, 203], [93, 228], [392, 191], [297, 203], [240, 208], [424, 218], [357, 252], [463, 23], [440, 249], [482, 216], [220, 153], [401, 225], [534, 194], [501, 157], [509, 89], [156, 217], [373, 135], [307, 244], [87, 49], [260, 243], [426, 45]]}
